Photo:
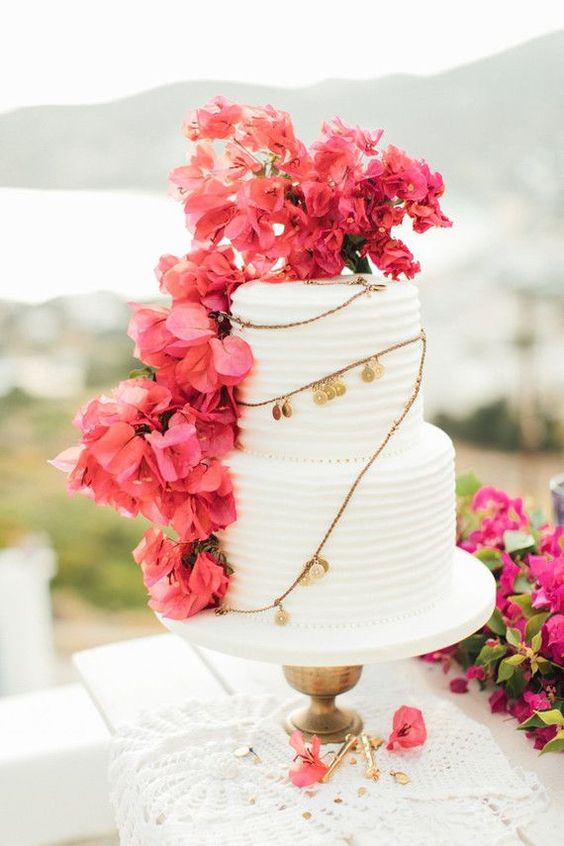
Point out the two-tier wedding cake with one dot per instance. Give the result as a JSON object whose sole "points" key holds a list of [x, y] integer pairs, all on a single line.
{"points": [[348, 458]]}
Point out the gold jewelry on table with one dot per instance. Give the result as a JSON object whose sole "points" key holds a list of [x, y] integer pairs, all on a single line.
{"points": [[372, 770], [350, 743], [282, 616], [401, 778]]}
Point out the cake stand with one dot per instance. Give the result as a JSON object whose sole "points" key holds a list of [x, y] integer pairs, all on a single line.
{"points": [[324, 661]]}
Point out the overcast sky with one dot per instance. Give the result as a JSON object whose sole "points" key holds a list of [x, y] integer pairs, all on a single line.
{"points": [[71, 51]]}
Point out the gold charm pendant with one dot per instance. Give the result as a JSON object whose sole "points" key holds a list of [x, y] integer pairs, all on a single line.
{"points": [[319, 396], [326, 391], [316, 568], [367, 374], [340, 388], [282, 409], [372, 370], [287, 409], [281, 618]]}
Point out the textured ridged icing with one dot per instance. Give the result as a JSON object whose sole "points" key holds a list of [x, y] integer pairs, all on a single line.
{"points": [[349, 426], [391, 554]]}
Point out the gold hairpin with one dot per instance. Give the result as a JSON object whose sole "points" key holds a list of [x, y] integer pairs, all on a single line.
{"points": [[350, 743]]}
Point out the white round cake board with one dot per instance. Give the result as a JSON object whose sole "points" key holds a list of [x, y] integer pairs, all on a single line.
{"points": [[465, 606]]}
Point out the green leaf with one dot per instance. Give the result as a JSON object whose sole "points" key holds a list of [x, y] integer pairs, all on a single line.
{"points": [[554, 745], [524, 603], [538, 719], [536, 642], [467, 484], [515, 686], [522, 584], [505, 672], [517, 541], [496, 624], [490, 557], [142, 373], [507, 667], [490, 654], [554, 717], [513, 637], [533, 627], [546, 667]]}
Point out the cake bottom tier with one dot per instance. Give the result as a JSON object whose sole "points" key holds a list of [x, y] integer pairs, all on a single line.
{"points": [[390, 555]]}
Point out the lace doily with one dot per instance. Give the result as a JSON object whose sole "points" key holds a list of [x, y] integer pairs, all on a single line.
{"points": [[175, 781]]}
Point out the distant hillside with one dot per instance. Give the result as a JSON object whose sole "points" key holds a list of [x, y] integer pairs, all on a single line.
{"points": [[495, 124]]}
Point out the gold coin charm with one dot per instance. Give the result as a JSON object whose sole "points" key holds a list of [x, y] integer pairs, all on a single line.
{"points": [[281, 618], [378, 368], [319, 568], [305, 580], [340, 388], [276, 411], [319, 396], [330, 392], [401, 778], [368, 374], [287, 409]]}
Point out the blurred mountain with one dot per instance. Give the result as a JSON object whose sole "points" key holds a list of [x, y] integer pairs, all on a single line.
{"points": [[492, 125]]}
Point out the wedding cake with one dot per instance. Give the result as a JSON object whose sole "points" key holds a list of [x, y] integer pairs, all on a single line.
{"points": [[391, 553]]}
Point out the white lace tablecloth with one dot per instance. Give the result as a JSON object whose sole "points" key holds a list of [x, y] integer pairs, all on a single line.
{"points": [[175, 781]]}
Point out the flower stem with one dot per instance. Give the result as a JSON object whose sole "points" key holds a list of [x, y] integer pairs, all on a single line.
{"points": [[362, 265]]}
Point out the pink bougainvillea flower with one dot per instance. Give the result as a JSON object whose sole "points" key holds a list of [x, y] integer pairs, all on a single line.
{"points": [[458, 685], [549, 574], [308, 768], [476, 671], [205, 276], [498, 701], [202, 503], [553, 638], [189, 589], [552, 543], [157, 555], [176, 451], [498, 513], [207, 367], [509, 573], [190, 323], [217, 119], [529, 702], [408, 728]]}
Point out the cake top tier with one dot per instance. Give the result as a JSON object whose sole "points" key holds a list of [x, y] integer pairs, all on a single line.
{"points": [[350, 425]]}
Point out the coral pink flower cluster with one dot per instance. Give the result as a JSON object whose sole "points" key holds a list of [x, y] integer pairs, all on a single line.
{"points": [[154, 447], [522, 647], [298, 212], [264, 206]]}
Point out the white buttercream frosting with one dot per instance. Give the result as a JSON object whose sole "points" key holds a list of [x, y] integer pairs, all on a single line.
{"points": [[391, 554], [348, 426]]}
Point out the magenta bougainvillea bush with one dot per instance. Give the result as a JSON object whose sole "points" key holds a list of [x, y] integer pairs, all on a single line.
{"points": [[519, 654], [258, 204]]}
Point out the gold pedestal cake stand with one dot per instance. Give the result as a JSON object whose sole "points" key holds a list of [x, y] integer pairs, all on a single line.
{"points": [[322, 716]]}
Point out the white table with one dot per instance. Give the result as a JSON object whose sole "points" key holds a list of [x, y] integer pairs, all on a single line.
{"points": [[137, 675]]}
